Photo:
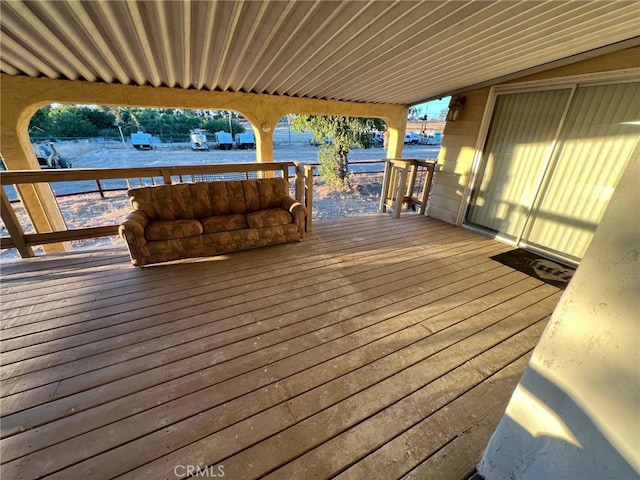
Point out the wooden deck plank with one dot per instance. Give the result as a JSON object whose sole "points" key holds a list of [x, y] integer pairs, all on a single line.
{"points": [[233, 270], [191, 427], [336, 358], [209, 361], [279, 253], [458, 458], [400, 280], [320, 273], [151, 297], [277, 446], [329, 239], [30, 358], [382, 429], [315, 323]]}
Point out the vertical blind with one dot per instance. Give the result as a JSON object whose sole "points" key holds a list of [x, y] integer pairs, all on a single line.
{"points": [[548, 189], [601, 132], [519, 143]]}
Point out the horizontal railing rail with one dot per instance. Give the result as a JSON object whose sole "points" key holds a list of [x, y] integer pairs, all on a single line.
{"points": [[301, 173], [355, 167]]}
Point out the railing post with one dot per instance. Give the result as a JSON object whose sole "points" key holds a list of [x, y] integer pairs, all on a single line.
{"points": [[412, 180], [300, 185], [308, 195], [384, 194], [431, 167], [401, 190], [12, 223]]}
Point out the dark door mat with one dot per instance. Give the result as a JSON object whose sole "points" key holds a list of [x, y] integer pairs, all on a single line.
{"points": [[534, 265]]}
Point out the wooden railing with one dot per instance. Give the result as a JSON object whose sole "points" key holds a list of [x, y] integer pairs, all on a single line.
{"points": [[404, 177], [24, 242]]}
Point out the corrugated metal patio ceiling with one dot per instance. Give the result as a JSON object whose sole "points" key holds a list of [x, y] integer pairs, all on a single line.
{"points": [[378, 51]]}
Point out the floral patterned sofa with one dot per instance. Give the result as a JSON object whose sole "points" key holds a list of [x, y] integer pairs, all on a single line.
{"points": [[172, 222]]}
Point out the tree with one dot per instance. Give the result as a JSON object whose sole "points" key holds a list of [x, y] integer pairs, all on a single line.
{"points": [[414, 112], [39, 123], [222, 124], [69, 121], [338, 136], [92, 121]]}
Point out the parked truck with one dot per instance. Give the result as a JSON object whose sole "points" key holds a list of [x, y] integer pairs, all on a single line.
{"points": [[224, 140], [142, 140], [199, 139], [245, 140]]}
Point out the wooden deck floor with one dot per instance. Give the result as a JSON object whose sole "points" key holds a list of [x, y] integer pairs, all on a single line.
{"points": [[375, 349]]}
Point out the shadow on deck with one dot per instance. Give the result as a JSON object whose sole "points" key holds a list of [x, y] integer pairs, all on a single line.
{"points": [[375, 349]]}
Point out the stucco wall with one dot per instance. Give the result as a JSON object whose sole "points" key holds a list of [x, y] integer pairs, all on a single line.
{"points": [[576, 411], [461, 137]]}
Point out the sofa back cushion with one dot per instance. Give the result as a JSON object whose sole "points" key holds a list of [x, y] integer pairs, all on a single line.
{"points": [[182, 201], [271, 192], [200, 200]]}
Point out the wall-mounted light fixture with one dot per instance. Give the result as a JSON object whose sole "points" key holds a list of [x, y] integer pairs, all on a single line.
{"points": [[265, 127], [455, 107]]}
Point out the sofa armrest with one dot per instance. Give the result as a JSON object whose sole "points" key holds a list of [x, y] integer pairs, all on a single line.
{"points": [[298, 212], [131, 230]]}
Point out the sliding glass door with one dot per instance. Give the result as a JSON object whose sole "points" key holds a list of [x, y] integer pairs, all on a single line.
{"points": [[551, 162]]}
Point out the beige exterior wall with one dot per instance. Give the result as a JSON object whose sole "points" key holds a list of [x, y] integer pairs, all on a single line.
{"points": [[456, 157], [459, 146]]}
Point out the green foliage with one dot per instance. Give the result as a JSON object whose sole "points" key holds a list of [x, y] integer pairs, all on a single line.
{"points": [[338, 136], [92, 121], [71, 121], [329, 165], [222, 124], [39, 122]]}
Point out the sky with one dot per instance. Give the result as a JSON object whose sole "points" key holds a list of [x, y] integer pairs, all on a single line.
{"points": [[433, 108]]}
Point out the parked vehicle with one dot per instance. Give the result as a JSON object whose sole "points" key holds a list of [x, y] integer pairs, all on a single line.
{"points": [[142, 141], [377, 139], [224, 140], [245, 140], [430, 138], [49, 157], [199, 140], [412, 138]]}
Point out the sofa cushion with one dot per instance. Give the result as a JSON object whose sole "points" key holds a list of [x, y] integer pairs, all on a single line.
{"points": [[271, 192], [224, 223], [186, 201], [172, 229], [181, 201], [235, 193], [219, 197], [251, 197], [268, 218]]}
